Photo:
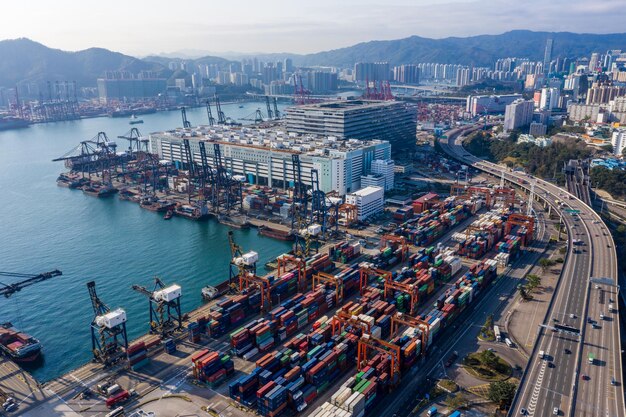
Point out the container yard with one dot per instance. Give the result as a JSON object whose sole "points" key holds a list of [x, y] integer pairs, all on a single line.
{"points": [[326, 334]]}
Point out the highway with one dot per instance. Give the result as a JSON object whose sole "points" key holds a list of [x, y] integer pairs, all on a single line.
{"points": [[556, 382]]}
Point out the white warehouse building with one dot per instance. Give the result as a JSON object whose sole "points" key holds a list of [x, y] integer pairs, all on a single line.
{"points": [[368, 201], [264, 155]]}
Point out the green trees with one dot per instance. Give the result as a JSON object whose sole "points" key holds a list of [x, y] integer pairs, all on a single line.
{"points": [[502, 393], [532, 281], [545, 263], [612, 181]]}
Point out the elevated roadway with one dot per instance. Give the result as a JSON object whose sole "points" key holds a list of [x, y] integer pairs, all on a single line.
{"points": [[588, 283]]}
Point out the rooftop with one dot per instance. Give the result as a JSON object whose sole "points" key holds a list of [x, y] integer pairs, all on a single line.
{"points": [[367, 191], [344, 105], [274, 137]]}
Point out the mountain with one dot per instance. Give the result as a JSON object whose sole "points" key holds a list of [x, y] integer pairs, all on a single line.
{"points": [[24, 60], [481, 50]]}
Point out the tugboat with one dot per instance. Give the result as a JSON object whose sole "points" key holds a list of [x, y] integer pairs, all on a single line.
{"points": [[20, 347], [134, 120], [168, 215]]}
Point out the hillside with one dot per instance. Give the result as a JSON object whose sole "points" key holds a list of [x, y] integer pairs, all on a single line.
{"points": [[476, 50], [24, 60]]}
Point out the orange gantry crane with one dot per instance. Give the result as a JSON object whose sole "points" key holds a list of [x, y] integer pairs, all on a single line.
{"points": [[507, 194], [458, 189], [349, 212], [517, 219], [249, 281], [367, 343], [366, 271], [341, 319], [407, 320], [324, 278], [288, 263], [410, 289], [396, 241]]}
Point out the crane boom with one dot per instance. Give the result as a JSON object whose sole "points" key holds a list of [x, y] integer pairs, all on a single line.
{"points": [[8, 289]]}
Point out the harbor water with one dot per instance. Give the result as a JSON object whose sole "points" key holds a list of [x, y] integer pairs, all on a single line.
{"points": [[115, 243]]}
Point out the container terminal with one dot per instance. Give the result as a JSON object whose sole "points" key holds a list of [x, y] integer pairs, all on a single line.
{"points": [[329, 332]]}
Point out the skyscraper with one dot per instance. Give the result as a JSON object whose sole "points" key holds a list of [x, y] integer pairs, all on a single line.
{"points": [[547, 55], [518, 114], [594, 61]]}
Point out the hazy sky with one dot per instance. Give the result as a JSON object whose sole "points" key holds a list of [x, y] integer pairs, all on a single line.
{"points": [[141, 27]]}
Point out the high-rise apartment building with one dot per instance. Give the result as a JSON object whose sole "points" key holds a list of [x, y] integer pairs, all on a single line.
{"points": [[618, 140], [518, 114], [407, 74], [371, 71]]}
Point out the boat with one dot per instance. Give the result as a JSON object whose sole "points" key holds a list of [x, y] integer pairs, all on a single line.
{"points": [[8, 122], [228, 221], [189, 212], [134, 120], [129, 195], [99, 190], [168, 214], [20, 347], [69, 181], [154, 204], [210, 292], [241, 106], [275, 233]]}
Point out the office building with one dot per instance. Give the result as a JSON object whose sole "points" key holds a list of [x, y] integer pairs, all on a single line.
{"points": [[355, 119], [479, 105], [386, 169], [518, 114], [373, 180], [547, 55], [618, 140], [368, 201], [263, 156]]}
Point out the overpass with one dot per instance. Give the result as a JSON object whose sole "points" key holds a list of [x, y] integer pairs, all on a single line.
{"points": [[587, 286]]}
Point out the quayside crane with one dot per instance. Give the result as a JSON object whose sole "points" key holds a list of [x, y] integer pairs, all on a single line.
{"points": [[164, 305], [241, 263], [108, 330], [186, 123], [28, 279]]}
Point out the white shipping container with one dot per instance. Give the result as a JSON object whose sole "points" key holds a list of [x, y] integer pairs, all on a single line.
{"points": [[357, 248], [377, 332]]}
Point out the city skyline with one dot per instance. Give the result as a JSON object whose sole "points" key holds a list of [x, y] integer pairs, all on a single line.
{"points": [[145, 28]]}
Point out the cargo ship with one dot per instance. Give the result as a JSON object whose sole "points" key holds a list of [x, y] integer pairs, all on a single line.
{"points": [[154, 204], [275, 233], [99, 190], [69, 181], [7, 123], [20, 347]]}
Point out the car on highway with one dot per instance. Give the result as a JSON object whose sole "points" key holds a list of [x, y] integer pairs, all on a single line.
{"points": [[523, 411], [567, 351], [556, 411], [572, 316], [585, 377], [11, 407]]}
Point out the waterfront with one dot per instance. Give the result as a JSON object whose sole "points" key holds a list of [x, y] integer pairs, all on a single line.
{"points": [[113, 242]]}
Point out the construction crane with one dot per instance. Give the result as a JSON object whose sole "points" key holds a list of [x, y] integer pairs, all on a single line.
{"points": [[328, 279], [241, 263], [367, 270], [108, 330], [287, 262], [410, 321], [367, 343], [28, 279], [164, 303], [135, 142], [209, 185], [186, 123], [209, 113]]}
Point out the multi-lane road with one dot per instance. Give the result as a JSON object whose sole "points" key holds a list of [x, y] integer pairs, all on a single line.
{"points": [[564, 381]]}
